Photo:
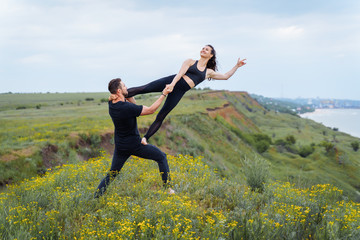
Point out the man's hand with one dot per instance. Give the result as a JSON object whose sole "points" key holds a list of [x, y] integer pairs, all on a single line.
{"points": [[150, 110], [168, 89]]}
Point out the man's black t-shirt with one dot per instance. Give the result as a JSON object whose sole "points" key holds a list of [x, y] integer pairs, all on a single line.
{"points": [[123, 115]]}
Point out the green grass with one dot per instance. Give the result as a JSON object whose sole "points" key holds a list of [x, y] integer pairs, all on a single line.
{"points": [[213, 200], [31, 100], [60, 205], [187, 130]]}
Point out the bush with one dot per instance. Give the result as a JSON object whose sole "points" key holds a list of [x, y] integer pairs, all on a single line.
{"points": [[355, 145], [89, 99], [290, 139], [262, 137], [306, 151], [256, 171], [262, 146], [262, 142], [90, 145], [288, 144], [328, 146], [280, 142]]}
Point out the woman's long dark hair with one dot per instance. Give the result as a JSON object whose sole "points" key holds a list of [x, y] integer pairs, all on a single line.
{"points": [[212, 63]]}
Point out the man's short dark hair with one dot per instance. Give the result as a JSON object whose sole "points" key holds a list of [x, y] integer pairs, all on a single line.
{"points": [[114, 85]]}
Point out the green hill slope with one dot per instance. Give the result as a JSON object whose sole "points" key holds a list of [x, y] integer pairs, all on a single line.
{"points": [[222, 126], [240, 127], [59, 205]]}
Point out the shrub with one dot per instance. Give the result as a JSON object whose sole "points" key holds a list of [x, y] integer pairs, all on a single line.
{"points": [[262, 142], [90, 145], [280, 142], [328, 146], [288, 144], [262, 146], [256, 171], [262, 137], [305, 151], [160, 140], [89, 99], [290, 139], [355, 145]]}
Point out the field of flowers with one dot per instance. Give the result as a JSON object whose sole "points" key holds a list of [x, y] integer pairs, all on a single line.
{"points": [[60, 205]]}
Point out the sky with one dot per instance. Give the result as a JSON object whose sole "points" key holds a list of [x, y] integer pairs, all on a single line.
{"points": [[308, 48]]}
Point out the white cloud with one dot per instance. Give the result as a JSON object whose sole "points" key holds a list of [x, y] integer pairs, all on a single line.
{"points": [[90, 39], [290, 32], [36, 59]]}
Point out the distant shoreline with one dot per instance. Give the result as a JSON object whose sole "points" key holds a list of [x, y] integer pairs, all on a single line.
{"points": [[340, 108], [344, 119]]}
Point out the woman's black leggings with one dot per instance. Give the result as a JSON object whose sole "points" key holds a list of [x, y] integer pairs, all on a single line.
{"points": [[172, 100], [144, 151]]}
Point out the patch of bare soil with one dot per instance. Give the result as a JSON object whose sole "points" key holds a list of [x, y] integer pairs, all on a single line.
{"points": [[48, 155], [106, 142], [26, 152], [226, 111]]}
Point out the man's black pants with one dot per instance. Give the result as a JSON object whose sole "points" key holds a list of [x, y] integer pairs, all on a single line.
{"points": [[120, 156]]}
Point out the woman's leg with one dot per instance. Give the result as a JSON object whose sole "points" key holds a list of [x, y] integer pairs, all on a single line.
{"points": [[154, 86], [172, 100], [118, 162]]}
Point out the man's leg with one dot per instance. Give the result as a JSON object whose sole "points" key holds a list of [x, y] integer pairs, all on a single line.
{"points": [[151, 152], [118, 162]]}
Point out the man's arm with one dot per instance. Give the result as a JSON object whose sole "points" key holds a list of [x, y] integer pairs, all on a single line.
{"points": [[150, 110]]}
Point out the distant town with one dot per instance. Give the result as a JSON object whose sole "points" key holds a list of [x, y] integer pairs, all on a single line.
{"points": [[303, 105], [325, 103]]}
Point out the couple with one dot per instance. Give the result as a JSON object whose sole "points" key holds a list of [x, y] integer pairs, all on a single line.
{"points": [[124, 111]]}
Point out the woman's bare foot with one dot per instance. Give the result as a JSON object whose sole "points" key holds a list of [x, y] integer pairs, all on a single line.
{"points": [[143, 141], [171, 191]]}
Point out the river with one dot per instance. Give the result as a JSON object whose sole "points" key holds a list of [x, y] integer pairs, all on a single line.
{"points": [[346, 120]]}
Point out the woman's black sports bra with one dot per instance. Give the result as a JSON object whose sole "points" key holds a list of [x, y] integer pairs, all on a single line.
{"points": [[195, 74]]}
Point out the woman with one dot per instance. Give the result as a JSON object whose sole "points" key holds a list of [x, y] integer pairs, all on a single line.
{"points": [[190, 75]]}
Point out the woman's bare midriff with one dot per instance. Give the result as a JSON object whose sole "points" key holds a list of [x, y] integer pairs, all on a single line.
{"points": [[189, 81]]}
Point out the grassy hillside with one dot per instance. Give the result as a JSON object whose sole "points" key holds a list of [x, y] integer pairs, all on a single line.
{"points": [[60, 205], [235, 128], [222, 126]]}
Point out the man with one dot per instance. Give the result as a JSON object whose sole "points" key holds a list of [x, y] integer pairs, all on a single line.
{"points": [[123, 113]]}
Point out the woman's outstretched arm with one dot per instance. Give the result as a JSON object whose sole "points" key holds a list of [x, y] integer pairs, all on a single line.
{"points": [[185, 66], [219, 76]]}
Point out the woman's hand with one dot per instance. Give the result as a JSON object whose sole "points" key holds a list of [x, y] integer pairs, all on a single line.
{"points": [[113, 97], [170, 87], [166, 90], [240, 63]]}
